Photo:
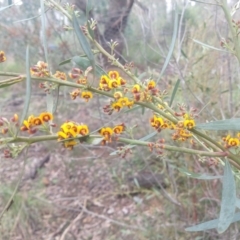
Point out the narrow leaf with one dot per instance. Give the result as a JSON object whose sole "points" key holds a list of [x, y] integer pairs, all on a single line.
{"points": [[208, 46], [228, 199], [238, 203], [3, 8], [56, 102], [28, 90], [82, 40], [210, 224], [228, 124], [88, 9], [171, 48], [197, 175], [174, 92], [43, 30]]}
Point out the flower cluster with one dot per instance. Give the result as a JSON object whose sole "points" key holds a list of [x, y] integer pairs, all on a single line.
{"points": [[107, 132], [69, 131], [110, 81], [145, 92], [2, 57], [77, 93], [5, 123], [79, 75], [118, 104], [231, 141], [40, 70], [181, 131], [32, 123]]}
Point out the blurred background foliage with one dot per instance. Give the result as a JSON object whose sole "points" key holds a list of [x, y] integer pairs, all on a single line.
{"points": [[209, 81]]}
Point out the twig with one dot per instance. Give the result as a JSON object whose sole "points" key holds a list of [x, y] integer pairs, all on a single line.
{"points": [[108, 219], [72, 223]]}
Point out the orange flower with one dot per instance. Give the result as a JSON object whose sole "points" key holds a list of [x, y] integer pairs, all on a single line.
{"points": [[113, 74], [82, 81], [87, 96], [151, 84], [46, 116], [60, 75], [233, 142], [74, 94], [119, 128], [37, 121], [83, 130]]}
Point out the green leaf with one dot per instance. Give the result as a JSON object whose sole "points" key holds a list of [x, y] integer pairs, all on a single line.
{"points": [[197, 175], [67, 61], [238, 203], [174, 92], [56, 102], [171, 48], [28, 90], [228, 199], [44, 39], [50, 101], [228, 124], [208, 46], [83, 41], [88, 9], [84, 63], [210, 224], [7, 83], [143, 110]]}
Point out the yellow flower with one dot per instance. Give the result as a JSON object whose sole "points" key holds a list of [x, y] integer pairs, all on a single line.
{"points": [[119, 128], [113, 74], [117, 95], [136, 88], [83, 130], [116, 106], [46, 116], [87, 96], [69, 144], [62, 135], [151, 84], [2, 56], [124, 101], [156, 122], [122, 81], [106, 133], [104, 79], [36, 121], [189, 123], [113, 83], [233, 142]]}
